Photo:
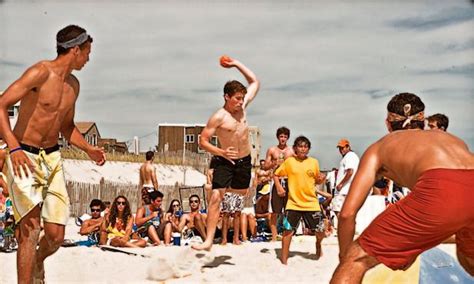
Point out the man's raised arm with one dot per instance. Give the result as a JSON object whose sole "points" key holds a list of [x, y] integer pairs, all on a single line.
{"points": [[251, 78], [358, 192]]}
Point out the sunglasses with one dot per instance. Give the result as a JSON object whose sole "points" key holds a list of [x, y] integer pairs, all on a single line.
{"points": [[175, 205], [95, 210], [121, 203], [194, 201]]}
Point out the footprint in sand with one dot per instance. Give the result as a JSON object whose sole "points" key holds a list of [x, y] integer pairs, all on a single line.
{"points": [[183, 264]]}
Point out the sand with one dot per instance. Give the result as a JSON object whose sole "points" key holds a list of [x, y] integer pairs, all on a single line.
{"points": [[247, 263]]}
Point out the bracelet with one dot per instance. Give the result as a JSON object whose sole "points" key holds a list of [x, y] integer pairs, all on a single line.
{"points": [[15, 149]]}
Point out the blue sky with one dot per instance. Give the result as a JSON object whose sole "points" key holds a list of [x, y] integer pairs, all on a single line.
{"points": [[327, 69]]}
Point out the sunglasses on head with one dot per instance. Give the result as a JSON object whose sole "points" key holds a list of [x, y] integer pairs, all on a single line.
{"points": [[194, 201], [121, 203], [95, 209]]}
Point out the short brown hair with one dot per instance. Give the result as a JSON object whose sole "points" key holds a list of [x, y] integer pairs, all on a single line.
{"points": [[396, 105], [68, 33], [149, 155], [283, 130], [442, 121], [232, 87]]}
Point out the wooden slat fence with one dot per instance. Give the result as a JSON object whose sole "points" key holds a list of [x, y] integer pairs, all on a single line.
{"points": [[81, 194]]}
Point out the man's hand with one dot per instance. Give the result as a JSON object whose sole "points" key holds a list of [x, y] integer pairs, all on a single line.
{"points": [[231, 154], [21, 161], [227, 62], [280, 191], [5, 191], [321, 178], [97, 155]]}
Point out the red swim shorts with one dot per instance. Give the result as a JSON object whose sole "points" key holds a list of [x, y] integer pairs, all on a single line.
{"points": [[439, 206]]}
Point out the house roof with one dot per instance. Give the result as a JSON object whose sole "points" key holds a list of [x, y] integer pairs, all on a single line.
{"points": [[84, 127], [183, 124]]}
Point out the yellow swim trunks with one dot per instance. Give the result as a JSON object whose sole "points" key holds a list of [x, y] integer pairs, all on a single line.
{"points": [[46, 186]]}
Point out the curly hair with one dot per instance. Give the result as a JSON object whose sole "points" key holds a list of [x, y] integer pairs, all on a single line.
{"points": [[397, 105], [113, 215]]}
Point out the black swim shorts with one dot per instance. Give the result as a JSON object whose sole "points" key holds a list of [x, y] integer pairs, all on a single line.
{"points": [[314, 220], [236, 176]]}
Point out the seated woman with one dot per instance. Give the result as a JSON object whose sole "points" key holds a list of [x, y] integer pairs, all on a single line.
{"points": [[172, 217], [116, 230]]}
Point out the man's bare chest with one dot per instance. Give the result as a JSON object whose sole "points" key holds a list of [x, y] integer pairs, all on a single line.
{"points": [[55, 97], [234, 124]]}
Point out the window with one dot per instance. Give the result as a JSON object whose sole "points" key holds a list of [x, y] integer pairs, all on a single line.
{"points": [[213, 142], [189, 138]]}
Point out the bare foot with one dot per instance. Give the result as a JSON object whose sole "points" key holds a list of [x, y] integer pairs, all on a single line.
{"points": [[203, 246], [224, 242], [38, 274], [284, 262], [319, 251], [237, 242]]}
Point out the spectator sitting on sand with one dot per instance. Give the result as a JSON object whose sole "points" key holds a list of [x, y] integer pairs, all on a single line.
{"points": [[172, 216], [116, 230], [194, 220], [91, 227], [149, 220]]}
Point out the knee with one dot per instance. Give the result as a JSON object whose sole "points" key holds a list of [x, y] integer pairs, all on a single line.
{"points": [[151, 229], [216, 195], [356, 254], [54, 240], [198, 218]]}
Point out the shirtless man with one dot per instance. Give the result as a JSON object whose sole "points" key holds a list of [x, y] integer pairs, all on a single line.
{"points": [[276, 155], [148, 181], [91, 227], [194, 220], [47, 92], [233, 168], [439, 169], [3, 155]]}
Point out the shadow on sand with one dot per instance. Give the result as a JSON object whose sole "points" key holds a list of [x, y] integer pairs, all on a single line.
{"points": [[306, 255], [218, 260]]}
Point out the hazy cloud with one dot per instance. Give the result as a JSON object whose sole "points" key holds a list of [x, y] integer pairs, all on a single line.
{"points": [[442, 18], [327, 69]]}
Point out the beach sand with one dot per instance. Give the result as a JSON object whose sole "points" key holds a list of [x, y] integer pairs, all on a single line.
{"points": [[247, 263]]}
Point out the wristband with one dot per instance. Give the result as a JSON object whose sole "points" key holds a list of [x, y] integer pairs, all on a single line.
{"points": [[15, 149]]}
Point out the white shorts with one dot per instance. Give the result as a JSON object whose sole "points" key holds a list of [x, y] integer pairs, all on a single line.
{"points": [[337, 202], [249, 211]]}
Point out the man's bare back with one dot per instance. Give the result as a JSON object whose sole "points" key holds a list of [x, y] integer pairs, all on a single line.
{"points": [[404, 155], [148, 175]]}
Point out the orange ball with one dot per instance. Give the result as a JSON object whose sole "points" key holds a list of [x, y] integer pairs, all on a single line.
{"points": [[224, 60]]}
